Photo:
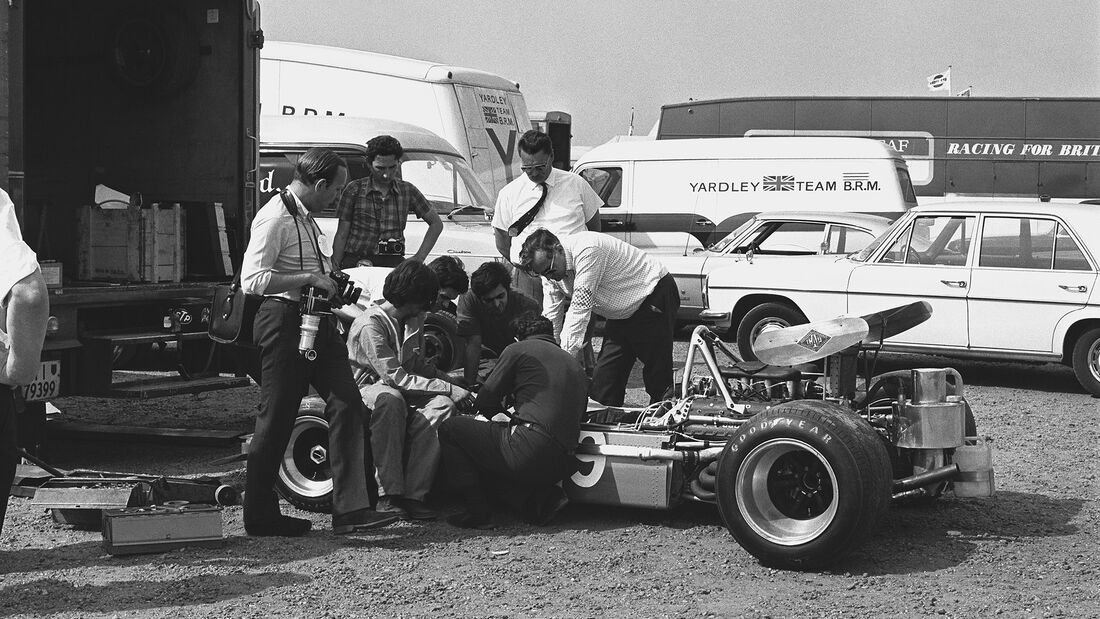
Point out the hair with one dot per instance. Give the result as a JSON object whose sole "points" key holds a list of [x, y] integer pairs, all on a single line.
{"points": [[531, 323], [541, 239], [535, 141], [384, 145], [488, 276], [451, 273], [412, 281], [318, 164]]}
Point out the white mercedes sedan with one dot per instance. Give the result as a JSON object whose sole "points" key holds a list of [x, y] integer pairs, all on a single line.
{"points": [[775, 233], [1007, 280]]}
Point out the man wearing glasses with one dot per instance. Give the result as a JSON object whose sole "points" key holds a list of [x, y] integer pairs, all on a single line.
{"points": [[599, 274], [543, 197], [485, 314]]}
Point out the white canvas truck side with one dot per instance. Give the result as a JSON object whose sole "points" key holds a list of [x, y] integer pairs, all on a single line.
{"points": [[481, 114], [672, 196]]}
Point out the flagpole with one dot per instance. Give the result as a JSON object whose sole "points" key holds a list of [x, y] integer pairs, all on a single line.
{"points": [[948, 80], [630, 129]]}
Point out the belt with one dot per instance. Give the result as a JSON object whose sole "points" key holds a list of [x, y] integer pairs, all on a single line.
{"points": [[284, 301], [540, 430]]}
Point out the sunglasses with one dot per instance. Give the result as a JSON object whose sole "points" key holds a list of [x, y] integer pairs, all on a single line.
{"points": [[547, 270], [533, 168]]}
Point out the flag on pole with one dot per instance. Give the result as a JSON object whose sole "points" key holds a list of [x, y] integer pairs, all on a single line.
{"points": [[940, 81], [966, 93]]}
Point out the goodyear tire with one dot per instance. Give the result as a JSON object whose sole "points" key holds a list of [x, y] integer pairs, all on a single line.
{"points": [[803, 484], [442, 344], [305, 476], [1086, 360], [762, 318]]}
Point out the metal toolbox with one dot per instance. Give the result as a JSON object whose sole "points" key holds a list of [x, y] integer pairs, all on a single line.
{"points": [[159, 528]]}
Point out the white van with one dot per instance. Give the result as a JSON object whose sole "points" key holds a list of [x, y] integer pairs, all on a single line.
{"points": [[430, 163], [481, 114], [678, 195]]}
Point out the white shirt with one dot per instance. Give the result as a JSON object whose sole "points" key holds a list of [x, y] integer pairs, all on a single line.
{"points": [[570, 203], [604, 276], [280, 243], [18, 258]]}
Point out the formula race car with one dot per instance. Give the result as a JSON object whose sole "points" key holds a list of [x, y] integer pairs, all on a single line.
{"points": [[800, 451]]}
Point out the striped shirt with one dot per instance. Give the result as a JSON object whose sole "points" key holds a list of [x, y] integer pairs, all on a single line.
{"points": [[603, 275]]}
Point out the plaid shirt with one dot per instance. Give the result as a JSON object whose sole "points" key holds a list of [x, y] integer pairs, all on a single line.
{"points": [[374, 216]]}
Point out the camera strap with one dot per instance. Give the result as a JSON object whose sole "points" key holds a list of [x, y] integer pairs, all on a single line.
{"points": [[292, 208]]}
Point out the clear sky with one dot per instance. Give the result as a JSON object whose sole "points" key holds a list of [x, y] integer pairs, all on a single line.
{"points": [[597, 59]]}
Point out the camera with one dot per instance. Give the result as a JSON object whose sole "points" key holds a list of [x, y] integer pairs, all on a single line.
{"points": [[391, 247], [315, 304]]}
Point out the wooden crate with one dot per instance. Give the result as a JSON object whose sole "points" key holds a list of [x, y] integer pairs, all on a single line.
{"points": [[131, 245]]}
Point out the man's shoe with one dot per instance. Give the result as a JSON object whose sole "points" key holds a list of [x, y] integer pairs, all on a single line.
{"points": [[414, 509], [551, 508], [471, 520], [392, 504], [361, 520], [281, 526]]}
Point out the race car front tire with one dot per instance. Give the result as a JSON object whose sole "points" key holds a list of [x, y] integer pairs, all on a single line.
{"points": [[803, 484], [305, 474]]}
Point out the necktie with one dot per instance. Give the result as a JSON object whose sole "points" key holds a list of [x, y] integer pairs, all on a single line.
{"points": [[525, 220]]}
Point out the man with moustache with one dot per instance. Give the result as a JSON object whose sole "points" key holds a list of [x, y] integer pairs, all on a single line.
{"points": [[373, 211], [485, 314]]}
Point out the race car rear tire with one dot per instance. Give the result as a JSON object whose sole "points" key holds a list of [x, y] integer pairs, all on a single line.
{"points": [[803, 484], [305, 475], [764, 317], [1086, 360]]}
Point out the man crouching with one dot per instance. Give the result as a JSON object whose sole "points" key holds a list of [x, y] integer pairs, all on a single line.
{"points": [[408, 397], [523, 459]]}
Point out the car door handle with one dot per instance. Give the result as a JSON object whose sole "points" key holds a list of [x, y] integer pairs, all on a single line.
{"points": [[1073, 288], [703, 221], [954, 284], [613, 223]]}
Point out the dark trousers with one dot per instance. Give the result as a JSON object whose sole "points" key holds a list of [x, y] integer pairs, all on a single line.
{"points": [[645, 336], [8, 444], [286, 377], [483, 459]]}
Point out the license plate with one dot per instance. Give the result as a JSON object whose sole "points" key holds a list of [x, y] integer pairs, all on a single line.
{"points": [[46, 384]]}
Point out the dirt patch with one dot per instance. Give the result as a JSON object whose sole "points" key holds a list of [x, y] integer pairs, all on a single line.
{"points": [[1029, 552]]}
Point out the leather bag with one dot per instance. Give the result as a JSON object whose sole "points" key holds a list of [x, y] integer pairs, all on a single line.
{"points": [[232, 313]]}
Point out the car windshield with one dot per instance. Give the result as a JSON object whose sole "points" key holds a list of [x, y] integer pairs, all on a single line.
{"points": [[447, 182], [721, 246], [865, 253]]}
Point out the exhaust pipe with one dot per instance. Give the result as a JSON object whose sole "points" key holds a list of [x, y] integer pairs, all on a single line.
{"points": [[944, 473]]}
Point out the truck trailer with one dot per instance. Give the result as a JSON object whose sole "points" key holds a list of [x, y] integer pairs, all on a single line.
{"points": [[973, 147], [128, 143]]}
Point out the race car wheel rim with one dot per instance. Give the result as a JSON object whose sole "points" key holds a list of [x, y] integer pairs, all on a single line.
{"points": [[305, 470], [786, 492], [437, 347]]}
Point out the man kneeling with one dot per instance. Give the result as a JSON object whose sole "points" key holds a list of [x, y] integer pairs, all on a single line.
{"points": [[407, 396], [521, 461]]}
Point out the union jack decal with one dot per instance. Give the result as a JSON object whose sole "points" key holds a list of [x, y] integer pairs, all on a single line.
{"points": [[778, 183]]}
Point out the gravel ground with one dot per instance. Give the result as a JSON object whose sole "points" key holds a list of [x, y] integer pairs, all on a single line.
{"points": [[1029, 552]]}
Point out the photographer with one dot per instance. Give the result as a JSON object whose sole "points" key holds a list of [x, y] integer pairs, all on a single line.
{"points": [[408, 397], [527, 457], [373, 211], [286, 252]]}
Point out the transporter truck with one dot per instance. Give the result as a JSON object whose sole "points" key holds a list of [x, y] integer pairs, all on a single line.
{"points": [[128, 143]]}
